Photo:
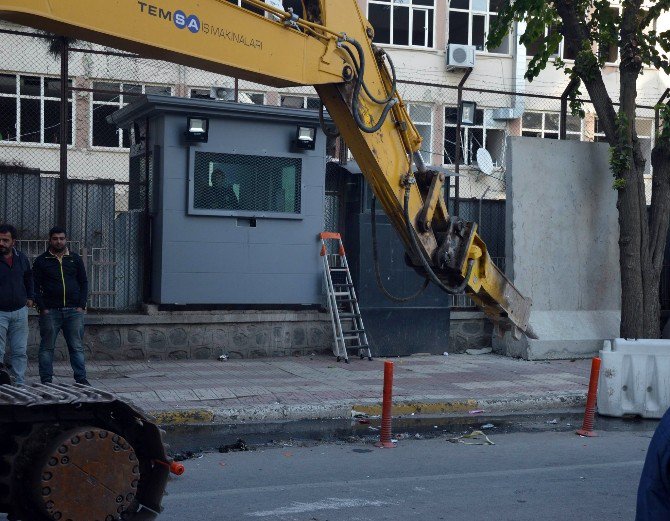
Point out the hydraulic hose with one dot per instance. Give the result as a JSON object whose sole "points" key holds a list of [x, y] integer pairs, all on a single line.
{"points": [[375, 259]]}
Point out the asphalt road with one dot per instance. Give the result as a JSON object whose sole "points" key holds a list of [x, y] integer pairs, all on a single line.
{"points": [[549, 476]]}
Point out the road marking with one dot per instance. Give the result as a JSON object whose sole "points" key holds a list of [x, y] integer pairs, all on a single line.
{"points": [[349, 483], [331, 503]]}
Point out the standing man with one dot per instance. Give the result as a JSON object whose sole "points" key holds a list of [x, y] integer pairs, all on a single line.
{"points": [[16, 296], [61, 290]]}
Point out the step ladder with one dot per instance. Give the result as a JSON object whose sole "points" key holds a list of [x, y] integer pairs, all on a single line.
{"points": [[345, 315]]}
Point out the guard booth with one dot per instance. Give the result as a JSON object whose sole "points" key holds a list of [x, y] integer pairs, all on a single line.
{"points": [[235, 195]]}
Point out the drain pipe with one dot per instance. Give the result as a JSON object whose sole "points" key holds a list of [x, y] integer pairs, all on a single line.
{"points": [[518, 101], [457, 157]]}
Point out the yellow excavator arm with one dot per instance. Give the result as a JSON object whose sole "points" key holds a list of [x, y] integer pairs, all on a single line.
{"points": [[330, 48]]}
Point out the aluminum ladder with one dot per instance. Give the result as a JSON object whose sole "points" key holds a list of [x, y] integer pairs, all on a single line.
{"points": [[342, 302]]}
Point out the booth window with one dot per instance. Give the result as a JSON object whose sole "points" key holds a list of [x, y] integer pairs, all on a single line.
{"points": [[237, 183]]}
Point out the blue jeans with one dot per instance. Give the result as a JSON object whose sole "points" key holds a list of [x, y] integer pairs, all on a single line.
{"points": [[14, 327], [71, 322]]}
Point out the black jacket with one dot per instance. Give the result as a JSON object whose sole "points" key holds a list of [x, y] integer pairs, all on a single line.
{"points": [[16, 283], [60, 284]]}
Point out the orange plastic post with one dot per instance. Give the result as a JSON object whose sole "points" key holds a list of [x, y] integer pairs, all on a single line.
{"points": [[590, 412], [385, 436], [174, 467]]}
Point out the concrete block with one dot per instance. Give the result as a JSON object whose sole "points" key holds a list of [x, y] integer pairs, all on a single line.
{"points": [[561, 335], [634, 378], [562, 246]]}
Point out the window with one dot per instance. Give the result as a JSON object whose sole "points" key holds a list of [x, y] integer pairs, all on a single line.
{"points": [[547, 125], [244, 183], [422, 117], [598, 132], [473, 137], [30, 109], [540, 124], [107, 98], [403, 22], [469, 23], [257, 98], [566, 50], [300, 102]]}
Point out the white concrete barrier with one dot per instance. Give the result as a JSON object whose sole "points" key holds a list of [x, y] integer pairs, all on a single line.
{"points": [[634, 378]]}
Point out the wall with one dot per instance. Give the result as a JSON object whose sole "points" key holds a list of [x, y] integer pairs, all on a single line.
{"points": [[562, 246]]}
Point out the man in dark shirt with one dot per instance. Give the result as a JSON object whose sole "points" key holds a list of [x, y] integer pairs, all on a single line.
{"points": [[16, 296], [61, 290], [653, 493]]}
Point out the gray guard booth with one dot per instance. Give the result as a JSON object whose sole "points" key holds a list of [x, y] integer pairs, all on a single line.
{"points": [[233, 221]]}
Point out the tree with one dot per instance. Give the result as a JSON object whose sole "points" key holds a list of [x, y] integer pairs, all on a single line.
{"points": [[587, 26]]}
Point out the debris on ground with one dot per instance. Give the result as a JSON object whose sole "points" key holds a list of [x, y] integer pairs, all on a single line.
{"points": [[358, 414], [488, 426], [187, 454], [445, 354], [364, 421], [481, 351], [223, 357], [552, 422], [476, 411], [239, 446], [478, 437]]}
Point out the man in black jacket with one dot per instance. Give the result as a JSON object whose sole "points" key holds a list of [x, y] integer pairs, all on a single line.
{"points": [[61, 290], [16, 296]]}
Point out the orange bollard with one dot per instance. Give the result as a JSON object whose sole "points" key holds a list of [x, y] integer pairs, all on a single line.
{"points": [[174, 467], [590, 412], [385, 436]]}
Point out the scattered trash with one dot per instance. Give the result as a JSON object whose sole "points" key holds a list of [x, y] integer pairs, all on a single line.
{"points": [[569, 424], [482, 351], [358, 414], [552, 422], [474, 435], [445, 354], [394, 441], [222, 463], [223, 357], [476, 411], [187, 454], [239, 446], [488, 426], [434, 426], [418, 436], [373, 428], [364, 421]]}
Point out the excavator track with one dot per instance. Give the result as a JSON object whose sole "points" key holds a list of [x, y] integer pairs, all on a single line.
{"points": [[72, 452]]}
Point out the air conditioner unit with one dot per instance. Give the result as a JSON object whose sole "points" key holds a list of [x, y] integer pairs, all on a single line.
{"points": [[460, 56], [222, 93]]}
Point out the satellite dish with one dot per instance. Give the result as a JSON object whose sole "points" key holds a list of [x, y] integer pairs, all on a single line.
{"points": [[484, 161]]}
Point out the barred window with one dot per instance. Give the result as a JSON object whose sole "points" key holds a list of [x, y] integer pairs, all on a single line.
{"points": [[403, 22], [470, 22], [473, 137], [245, 183], [109, 97], [30, 109], [300, 102]]}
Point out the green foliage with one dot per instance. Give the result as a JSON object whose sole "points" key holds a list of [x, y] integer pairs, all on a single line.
{"points": [[664, 116], [621, 155], [598, 30]]}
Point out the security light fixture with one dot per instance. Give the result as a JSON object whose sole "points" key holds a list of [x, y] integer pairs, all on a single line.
{"points": [[197, 129], [468, 109], [305, 137]]}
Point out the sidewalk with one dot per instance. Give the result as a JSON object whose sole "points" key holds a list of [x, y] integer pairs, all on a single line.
{"points": [[236, 390]]}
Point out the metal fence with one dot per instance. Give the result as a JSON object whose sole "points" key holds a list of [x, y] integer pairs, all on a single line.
{"points": [[84, 175]]}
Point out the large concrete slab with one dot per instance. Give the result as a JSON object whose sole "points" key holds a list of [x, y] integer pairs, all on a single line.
{"points": [[562, 246]]}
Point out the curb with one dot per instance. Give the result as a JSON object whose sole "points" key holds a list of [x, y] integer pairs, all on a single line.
{"points": [[433, 406]]}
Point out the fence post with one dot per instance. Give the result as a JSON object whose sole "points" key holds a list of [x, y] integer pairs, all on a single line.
{"points": [[657, 119], [564, 107], [457, 155], [62, 193]]}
